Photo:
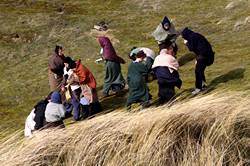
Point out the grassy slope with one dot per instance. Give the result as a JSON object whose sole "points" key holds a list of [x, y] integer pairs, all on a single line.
{"points": [[23, 60]]}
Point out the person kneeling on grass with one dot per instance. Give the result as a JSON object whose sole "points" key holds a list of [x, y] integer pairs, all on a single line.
{"points": [[36, 118], [165, 68], [138, 89], [55, 111]]}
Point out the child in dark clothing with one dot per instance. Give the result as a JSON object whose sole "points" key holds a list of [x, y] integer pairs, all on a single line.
{"points": [[165, 68], [204, 56], [138, 89]]}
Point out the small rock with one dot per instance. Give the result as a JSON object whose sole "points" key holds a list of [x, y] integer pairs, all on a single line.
{"points": [[232, 5], [247, 20]]}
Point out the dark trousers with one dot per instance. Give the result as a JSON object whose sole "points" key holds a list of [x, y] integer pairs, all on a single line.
{"points": [[166, 93], [75, 101], [199, 73]]}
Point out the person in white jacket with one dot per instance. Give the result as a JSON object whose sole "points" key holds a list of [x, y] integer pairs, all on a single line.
{"points": [[55, 111], [30, 124]]}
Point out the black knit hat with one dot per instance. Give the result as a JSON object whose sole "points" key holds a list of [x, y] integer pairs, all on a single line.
{"points": [[70, 61], [164, 45], [166, 23]]}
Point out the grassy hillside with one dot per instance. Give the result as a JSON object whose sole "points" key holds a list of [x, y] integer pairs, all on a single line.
{"points": [[29, 30], [207, 130]]}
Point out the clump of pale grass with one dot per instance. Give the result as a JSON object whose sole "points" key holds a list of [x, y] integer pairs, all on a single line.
{"points": [[207, 130]]}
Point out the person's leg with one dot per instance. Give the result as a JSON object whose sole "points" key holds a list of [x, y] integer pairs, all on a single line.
{"points": [[162, 92], [68, 112], [85, 111], [107, 79], [199, 74], [75, 100], [166, 93], [129, 105]]}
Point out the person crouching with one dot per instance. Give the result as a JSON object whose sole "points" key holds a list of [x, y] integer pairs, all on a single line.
{"points": [[55, 111], [165, 68], [138, 89]]}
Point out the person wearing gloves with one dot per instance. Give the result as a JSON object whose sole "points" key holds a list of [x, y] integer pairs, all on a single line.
{"points": [[166, 68], [55, 111], [165, 31], [56, 66], [138, 89], [198, 44], [113, 76]]}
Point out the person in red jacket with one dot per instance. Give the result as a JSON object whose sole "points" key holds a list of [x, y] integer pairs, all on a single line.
{"points": [[82, 76]]}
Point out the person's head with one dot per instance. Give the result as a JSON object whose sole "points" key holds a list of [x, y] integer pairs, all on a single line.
{"points": [[69, 63], [186, 32], [169, 47], [132, 54], [140, 55], [166, 23], [56, 97], [59, 50]]}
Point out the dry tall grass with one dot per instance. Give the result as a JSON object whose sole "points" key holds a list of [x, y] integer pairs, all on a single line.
{"points": [[207, 130]]}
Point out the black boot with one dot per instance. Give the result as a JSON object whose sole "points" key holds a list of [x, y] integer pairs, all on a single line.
{"points": [[85, 111]]}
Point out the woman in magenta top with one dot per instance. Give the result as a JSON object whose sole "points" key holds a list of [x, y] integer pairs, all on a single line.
{"points": [[113, 77]]}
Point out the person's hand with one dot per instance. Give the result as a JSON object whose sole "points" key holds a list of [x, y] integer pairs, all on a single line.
{"points": [[195, 62], [185, 41], [63, 89]]}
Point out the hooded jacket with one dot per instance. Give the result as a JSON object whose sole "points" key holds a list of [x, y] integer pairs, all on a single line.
{"points": [[109, 52], [55, 111], [198, 44]]}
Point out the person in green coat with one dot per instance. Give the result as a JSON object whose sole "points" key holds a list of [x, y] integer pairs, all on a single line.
{"points": [[138, 89]]}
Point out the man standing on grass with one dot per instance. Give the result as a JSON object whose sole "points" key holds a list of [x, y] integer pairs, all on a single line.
{"points": [[56, 65], [198, 44]]}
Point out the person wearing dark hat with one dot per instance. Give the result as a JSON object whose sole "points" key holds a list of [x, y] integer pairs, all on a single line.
{"points": [[198, 44], [138, 89], [82, 76], [166, 68], [73, 87], [55, 111], [165, 31], [56, 66]]}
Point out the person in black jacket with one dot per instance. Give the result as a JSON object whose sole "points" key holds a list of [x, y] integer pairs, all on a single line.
{"points": [[165, 68], [40, 112], [36, 118], [198, 44]]}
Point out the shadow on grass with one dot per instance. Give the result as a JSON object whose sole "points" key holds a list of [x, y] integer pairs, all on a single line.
{"points": [[186, 58], [231, 75], [114, 102]]}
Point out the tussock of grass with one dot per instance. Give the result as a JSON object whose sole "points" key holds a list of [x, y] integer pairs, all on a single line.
{"points": [[208, 130]]}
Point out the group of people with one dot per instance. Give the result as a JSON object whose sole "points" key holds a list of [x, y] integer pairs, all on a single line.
{"points": [[73, 86]]}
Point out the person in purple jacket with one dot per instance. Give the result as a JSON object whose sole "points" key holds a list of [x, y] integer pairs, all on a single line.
{"points": [[113, 76], [198, 44]]}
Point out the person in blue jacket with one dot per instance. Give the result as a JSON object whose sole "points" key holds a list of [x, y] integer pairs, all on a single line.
{"points": [[198, 44]]}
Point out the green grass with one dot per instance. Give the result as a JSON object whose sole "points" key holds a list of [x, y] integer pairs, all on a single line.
{"points": [[39, 25]]}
